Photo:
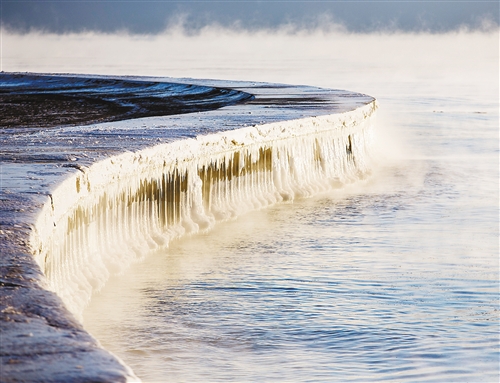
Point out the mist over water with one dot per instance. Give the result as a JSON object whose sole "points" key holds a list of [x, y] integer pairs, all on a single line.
{"points": [[392, 278], [328, 58]]}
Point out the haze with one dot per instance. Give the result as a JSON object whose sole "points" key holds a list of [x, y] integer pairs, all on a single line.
{"points": [[148, 16]]}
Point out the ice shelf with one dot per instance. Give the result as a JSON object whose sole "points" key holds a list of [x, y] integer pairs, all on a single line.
{"points": [[80, 203]]}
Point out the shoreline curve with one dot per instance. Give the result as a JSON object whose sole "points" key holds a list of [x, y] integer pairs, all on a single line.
{"points": [[57, 184]]}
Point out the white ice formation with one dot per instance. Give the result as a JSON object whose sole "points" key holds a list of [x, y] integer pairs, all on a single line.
{"points": [[106, 217], [79, 204]]}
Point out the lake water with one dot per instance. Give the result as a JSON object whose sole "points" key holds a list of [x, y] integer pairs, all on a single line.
{"points": [[394, 278]]}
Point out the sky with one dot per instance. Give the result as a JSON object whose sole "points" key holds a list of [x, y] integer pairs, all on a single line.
{"points": [[155, 16]]}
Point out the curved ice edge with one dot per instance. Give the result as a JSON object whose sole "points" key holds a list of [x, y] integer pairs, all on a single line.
{"points": [[41, 340]]}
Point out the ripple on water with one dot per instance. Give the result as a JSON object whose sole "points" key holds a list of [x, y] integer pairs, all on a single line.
{"points": [[392, 279]]}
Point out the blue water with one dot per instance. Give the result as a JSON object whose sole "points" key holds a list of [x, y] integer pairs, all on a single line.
{"points": [[394, 278]]}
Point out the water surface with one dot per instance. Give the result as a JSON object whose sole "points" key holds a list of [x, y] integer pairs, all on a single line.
{"points": [[383, 280], [394, 278]]}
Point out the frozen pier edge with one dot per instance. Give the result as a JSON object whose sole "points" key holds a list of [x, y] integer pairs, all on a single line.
{"points": [[80, 203]]}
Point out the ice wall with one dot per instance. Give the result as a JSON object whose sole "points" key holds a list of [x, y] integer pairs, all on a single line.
{"points": [[105, 217], [80, 203]]}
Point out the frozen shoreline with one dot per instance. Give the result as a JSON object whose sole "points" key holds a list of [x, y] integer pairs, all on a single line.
{"points": [[40, 337], [46, 101]]}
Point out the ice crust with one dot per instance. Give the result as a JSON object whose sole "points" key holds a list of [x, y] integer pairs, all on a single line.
{"points": [[83, 203], [105, 217]]}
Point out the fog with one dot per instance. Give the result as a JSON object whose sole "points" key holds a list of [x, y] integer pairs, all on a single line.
{"points": [[153, 16], [399, 69], [368, 63]]}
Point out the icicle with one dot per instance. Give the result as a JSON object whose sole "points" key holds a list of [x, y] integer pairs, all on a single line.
{"points": [[101, 222]]}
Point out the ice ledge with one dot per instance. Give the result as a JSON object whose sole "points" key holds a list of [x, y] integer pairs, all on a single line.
{"points": [[41, 340]]}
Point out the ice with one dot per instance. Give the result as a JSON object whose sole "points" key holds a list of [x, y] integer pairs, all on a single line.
{"points": [[103, 219], [81, 203]]}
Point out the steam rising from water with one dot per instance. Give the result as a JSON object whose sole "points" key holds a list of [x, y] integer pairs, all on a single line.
{"points": [[120, 208], [434, 186], [322, 58]]}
